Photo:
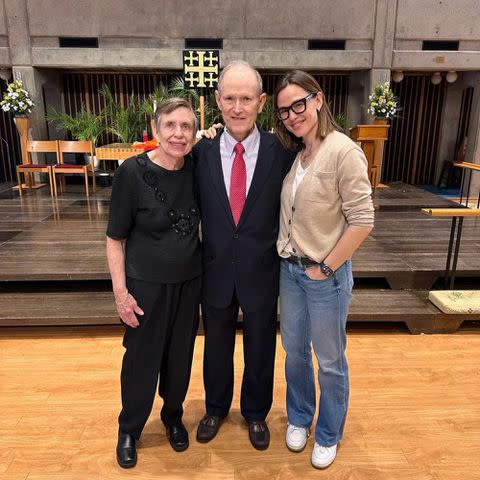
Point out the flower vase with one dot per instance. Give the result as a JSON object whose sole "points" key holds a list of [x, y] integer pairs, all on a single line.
{"points": [[380, 121]]}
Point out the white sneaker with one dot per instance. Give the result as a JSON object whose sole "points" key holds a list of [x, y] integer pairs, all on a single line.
{"points": [[296, 437], [322, 457]]}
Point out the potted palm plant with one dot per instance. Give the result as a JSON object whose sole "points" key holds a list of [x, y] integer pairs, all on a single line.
{"points": [[83, 126], [126, 122]]}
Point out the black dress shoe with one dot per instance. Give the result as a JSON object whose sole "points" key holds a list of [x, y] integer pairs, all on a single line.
{"points": [[178, 436], [126, 451], [208, 428], [259, 434]]}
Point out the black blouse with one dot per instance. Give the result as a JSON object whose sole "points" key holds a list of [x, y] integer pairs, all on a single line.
{"points": [[156, 211]]}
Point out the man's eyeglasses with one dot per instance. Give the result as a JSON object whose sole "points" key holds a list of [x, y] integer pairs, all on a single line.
{"points": [[299, 106], [243, 101]]}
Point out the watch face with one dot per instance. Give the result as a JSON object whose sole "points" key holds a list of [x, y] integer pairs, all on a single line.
{"points": [[326, 270]]}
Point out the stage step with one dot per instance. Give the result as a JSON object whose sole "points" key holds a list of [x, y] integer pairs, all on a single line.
{"points": [[97, 308], [59, 308]]}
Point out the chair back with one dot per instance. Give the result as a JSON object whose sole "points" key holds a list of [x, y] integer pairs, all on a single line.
{"points": [[76, 146], [42, 146]]}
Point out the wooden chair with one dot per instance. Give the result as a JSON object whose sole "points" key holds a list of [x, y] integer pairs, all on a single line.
{"points": [[67, 168], [37, 146]]}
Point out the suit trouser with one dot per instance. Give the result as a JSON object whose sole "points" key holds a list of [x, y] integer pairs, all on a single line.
{"points": [[160, 348], [259, 339]]}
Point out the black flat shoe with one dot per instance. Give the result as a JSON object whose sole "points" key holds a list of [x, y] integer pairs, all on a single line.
{"points": [[177, 436], [126, 451]]}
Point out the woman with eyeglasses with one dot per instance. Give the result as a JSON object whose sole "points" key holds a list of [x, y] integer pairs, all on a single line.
{"points": [[326, 213]]}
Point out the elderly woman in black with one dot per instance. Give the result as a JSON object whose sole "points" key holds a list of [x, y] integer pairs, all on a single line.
{"points": [[153, 253]]}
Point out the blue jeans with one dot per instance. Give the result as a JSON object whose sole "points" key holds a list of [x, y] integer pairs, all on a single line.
{"points": [[314, 312]]}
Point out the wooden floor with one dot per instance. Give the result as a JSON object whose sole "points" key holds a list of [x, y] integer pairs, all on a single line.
{"points": [[414, 412]]}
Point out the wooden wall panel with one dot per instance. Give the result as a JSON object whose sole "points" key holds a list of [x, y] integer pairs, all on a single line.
{"points": [[412, 149], [335, 85], [464, 118]]}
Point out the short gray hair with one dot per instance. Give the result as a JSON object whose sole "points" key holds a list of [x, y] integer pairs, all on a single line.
{"points": [[240, 63], [171, 104]]}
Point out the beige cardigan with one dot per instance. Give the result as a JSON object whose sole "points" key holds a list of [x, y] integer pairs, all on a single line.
{"points": [[334, 194]]}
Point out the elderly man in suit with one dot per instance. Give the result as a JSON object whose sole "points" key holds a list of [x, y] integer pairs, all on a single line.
{"points": [[239, 177]]}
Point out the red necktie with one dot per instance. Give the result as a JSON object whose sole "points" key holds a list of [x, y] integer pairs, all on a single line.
{"points": [[238, 183]]}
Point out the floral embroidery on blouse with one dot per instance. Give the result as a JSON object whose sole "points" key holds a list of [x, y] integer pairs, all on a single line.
{"points": [[182, 223]]}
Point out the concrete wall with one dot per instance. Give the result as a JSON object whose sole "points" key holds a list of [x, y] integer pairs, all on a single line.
{"points": [[379, 34], [438, 20], [211, 18], [3, 23]]}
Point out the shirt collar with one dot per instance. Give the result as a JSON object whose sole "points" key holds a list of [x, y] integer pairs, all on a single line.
{"points": [[248, 143]]}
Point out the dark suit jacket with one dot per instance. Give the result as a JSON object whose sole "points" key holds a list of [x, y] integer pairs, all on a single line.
{"points": [[242, 257]]}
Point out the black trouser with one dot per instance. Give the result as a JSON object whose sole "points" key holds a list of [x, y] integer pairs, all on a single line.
{"points": [[162, 346], [259, 338]]}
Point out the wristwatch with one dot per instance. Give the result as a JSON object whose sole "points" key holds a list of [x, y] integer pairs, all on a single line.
{"points": [[326, 270]]}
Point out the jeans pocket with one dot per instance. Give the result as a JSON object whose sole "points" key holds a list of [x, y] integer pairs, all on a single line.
{"points": [[318, 280]]}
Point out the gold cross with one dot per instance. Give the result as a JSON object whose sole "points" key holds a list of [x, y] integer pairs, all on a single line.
{"points": [[210, 58], [191, 59], [210, 79], [191, 79]]}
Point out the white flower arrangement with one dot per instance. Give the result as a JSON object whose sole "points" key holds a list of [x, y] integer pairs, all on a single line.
{"points": [[383, 103], [16, 99]]}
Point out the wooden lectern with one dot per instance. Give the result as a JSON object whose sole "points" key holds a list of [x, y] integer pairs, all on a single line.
{"points": [[371, 138]]}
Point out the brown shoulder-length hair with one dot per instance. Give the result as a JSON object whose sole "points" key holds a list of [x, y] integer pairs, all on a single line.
{"points": [[326, 122]]}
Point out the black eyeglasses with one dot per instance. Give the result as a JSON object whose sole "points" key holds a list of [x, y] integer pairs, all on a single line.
{"points": [[298, 106]]}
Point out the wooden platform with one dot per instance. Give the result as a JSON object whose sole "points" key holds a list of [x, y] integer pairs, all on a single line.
{"points": [[61, 243]]}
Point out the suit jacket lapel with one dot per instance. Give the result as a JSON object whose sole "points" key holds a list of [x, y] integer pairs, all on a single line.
{"points": [[262, 169], [216, 173]]}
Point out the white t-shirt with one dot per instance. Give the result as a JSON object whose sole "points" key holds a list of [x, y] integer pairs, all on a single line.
{"points": [[299, 175]]}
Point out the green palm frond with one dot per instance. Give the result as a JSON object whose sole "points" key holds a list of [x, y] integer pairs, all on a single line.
{"points": [[212, 113], [178, 89], [127, 122], [83, 126], [160, 94], [266, 118]]}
